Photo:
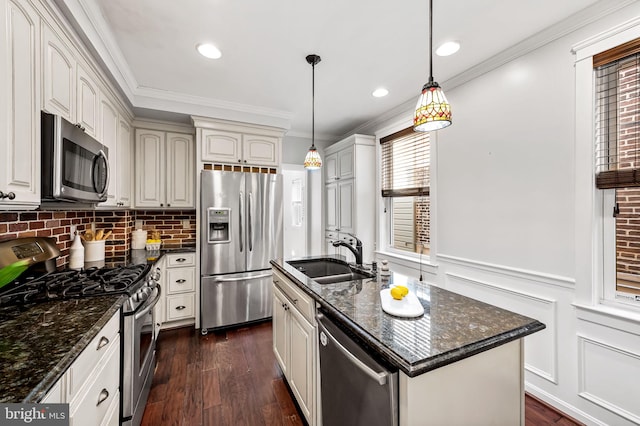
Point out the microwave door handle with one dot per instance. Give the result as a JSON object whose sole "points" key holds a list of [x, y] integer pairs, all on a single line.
{"points": [[240, 211], [103, 156]]}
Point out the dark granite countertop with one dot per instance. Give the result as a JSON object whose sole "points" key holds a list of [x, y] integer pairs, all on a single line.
{"points": [[39, 342], [452, 328]]}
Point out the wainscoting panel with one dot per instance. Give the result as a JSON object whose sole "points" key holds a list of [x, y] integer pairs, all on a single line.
{"points": [[540, 348], [608, 377]]}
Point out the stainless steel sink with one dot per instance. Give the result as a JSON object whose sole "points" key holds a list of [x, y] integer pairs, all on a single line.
{"points": [[342, 277], [327, 271]]}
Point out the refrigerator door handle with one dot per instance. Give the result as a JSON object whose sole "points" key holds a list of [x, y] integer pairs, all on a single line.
{"points": [[229, 280], [250, 222], [241, 211]]}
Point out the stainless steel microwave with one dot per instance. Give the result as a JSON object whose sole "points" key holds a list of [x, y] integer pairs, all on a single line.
{"points": [[75, 166]]}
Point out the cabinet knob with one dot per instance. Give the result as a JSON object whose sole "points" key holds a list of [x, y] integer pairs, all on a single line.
{"points": [[104, 394], [245, 161], [103, 342], [181, 307], [161, 204], [239, 161]]}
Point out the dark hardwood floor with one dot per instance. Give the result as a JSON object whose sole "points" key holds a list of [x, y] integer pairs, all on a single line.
{"points": [[231, 378]]}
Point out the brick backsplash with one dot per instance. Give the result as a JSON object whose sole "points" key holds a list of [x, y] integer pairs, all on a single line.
{"points": [[57, 224]]}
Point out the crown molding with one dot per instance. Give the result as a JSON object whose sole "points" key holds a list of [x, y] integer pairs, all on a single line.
{"points": [[550, 34], [88, 20]]}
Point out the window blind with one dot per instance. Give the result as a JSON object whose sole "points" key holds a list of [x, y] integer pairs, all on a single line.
{"points": [[617, 118], [405, 164]]}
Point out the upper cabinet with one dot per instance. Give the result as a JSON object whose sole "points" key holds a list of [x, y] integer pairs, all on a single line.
{"points": [[58, 76], [125, 162], [225, 142], [349, 195], [164, 170], [88, 96], [19, 106], [109, 121]]}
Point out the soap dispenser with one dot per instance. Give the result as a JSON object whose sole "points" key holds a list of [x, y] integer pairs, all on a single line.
{"points": [[76, 254]]}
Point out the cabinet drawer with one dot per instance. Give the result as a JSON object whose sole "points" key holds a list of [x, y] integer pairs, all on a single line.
{"points": [[181, 259], [296, 296], [181, 306], [84, 365], [180, 280], [100, 393]]}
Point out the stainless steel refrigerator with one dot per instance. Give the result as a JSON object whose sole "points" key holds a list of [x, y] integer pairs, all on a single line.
{"points": [[241, 217]]}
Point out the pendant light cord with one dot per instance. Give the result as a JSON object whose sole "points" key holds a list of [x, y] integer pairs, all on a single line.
{"points": [[430, 41], [313, 104]]}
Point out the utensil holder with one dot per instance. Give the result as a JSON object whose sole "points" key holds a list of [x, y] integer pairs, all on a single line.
{"points": [[93, 250]]}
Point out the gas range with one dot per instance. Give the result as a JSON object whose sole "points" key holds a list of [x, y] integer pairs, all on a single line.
{"points": [[70, 284], [43, 283]]}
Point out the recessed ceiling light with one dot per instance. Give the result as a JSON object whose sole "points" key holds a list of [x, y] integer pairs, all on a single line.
{"points": [[380, 92], [208, 50], [448, 48]]}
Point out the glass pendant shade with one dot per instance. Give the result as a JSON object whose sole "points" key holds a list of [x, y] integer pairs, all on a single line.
{"points": [[433, 111], [312, 161]]}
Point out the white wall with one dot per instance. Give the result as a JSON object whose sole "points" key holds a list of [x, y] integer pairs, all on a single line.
{"points": [[505, 204]]}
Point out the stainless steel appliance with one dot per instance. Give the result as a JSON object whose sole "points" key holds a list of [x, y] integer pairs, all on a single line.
{"points": [[138, 332], [75, 166], [355, 389], [241, 216]]}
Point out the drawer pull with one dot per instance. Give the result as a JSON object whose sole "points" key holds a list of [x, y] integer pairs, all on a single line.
{"points": [[181, 259], [181, 280], [104, 395], [102, 343], [295, 301], [181, 307]]}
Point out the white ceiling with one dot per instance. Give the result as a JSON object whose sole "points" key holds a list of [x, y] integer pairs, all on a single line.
{"points": [[364, 44]]}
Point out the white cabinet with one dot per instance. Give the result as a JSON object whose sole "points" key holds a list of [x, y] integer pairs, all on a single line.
{"points": [[179, 289], [109, 130], [294, 341], [58, 76], [90, 386], [164, 165], [350, 192], [19, 106], [124, 165], [227, 142], [88, 100], [339, 165], [231, 147]]}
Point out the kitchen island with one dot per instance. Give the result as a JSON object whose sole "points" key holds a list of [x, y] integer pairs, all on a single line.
{"points": [[459, 363]]}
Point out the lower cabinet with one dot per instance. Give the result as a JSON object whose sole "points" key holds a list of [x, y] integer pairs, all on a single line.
{"points": [[91, 385], [179, 289], [294, 342]]}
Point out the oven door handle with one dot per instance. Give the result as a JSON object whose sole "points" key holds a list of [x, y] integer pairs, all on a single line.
{"points": [[150, 306]]}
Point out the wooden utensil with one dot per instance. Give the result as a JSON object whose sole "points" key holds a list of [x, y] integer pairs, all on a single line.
{"points": [[99, 235], [106, 235]]}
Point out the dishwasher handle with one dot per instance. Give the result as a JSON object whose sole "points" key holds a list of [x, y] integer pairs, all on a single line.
{"points": [[381, 378]]}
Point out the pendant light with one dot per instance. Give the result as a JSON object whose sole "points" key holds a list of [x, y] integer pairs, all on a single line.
{"points": [[433, 111], [313, 161]]}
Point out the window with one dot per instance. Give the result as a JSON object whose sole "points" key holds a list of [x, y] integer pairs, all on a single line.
{"points": [[617, 131], [405, 167]]}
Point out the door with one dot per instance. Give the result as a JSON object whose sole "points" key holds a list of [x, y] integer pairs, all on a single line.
{"points": [[179, 170], [223, 190], [149, 168], [108, 137], [264, 219], [235, 299], [294, 194]]}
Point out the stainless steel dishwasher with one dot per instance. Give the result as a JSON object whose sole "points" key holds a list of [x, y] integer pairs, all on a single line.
{"points": [[355, 388]]}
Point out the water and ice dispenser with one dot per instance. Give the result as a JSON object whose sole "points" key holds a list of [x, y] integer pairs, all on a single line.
{"points": [[218, 221]]}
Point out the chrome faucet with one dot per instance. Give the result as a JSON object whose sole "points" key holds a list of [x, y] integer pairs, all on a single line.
{"points": [[357, 250]]}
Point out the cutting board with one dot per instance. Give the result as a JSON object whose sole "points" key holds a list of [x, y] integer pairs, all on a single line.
{"points": [[408, 307]]}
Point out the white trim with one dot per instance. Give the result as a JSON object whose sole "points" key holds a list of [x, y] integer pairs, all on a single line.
{"points": [[582, 391], [409, 261], [609, 316], [562, 405], [525, 274], [606, 39], [551, 376]]}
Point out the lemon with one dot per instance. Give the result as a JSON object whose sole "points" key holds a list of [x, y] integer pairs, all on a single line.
{"points": [[404, 289], [397, 293]]}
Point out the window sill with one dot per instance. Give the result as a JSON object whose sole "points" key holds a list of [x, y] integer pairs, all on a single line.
{"points": [[408, 260], [616, 317]]}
